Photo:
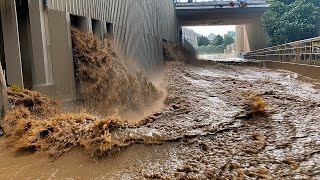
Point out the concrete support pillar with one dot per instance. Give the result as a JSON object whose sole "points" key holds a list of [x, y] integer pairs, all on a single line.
{"points": [[85, 25], [4, 104], [256, 35], [104, 29], [61, 47], [11, 42], [250, 37], [2, 57], [242, 44], [97, 29], [42, 65]]}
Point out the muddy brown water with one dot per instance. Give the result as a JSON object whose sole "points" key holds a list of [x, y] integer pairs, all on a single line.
{"points": [[204, 133], [74, 165]]}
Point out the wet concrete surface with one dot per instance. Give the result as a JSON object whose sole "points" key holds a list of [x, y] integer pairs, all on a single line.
{"points": [[204, 132]]}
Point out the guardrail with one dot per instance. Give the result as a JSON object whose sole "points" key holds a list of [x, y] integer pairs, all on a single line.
{"points": [[303, 52]]}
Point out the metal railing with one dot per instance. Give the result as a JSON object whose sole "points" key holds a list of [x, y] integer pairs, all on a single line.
{"points": [[303, 52]]}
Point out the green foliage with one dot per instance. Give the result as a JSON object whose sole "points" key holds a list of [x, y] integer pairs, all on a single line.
{"points": [[210, 49], [287, 2], [203, 41], [228, 40], [291, 20], [218, 40]]}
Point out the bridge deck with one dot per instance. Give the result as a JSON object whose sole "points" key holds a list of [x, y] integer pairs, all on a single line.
{"points": [[219, 12]]}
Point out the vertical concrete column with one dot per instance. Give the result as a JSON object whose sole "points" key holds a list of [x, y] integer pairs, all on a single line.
{"points": [[85, 25], [256, 35], [97, 29], [4, 104], [242, 44], [239, 39], [2, 57], [61, 47], [42, 65], [104, 30], [11, 42]]}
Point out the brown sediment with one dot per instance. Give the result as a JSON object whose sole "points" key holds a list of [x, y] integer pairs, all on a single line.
{"points": [[174, 52], [255, 105], [259, 136], [110, 87], [63, 132], [26, 104], [38, 105], [56, 133], [107, 82]]}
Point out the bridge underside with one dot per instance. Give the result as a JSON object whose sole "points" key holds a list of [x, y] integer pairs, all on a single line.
{"points": [[249, 30], [199, 16]]}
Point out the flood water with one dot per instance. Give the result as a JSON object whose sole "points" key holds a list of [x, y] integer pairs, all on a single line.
{"points": [[124, 164], [204, 132]]}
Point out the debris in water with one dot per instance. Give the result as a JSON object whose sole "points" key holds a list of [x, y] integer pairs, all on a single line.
{"points": [[293, 163], [174, 52], [63, 132], [263, 173], [259, 136], [39, 105], [107, 84], [254, 105]]}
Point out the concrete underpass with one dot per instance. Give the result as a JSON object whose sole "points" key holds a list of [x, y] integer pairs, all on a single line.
{"points": [[249, 31]]}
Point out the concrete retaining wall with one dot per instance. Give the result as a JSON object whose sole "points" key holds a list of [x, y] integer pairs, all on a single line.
{"points": [[139, 25], [250, 37], [302, 69]]}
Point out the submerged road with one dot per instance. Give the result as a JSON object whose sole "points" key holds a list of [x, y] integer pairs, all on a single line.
{"points": [[205, 133]]}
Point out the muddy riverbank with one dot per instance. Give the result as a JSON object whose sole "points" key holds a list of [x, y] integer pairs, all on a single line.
{"points": [[204, 133]]}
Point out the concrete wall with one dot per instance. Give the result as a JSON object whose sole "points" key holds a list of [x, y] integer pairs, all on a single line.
{"points": [[191, 36], [310, 71], [139, 25], [11, 42], [61, 48], [230, 49], [242, 44], [250, 37], [138, 28]]}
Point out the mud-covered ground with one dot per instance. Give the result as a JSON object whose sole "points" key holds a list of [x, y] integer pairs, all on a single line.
{"points": [[206, 133], [218, 140]]}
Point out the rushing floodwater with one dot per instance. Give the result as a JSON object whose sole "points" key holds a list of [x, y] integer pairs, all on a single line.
{"points": [[204, 133]]}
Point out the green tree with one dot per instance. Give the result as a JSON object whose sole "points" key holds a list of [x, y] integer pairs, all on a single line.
{"points": [[218, 40], [228, 40], [315, 2], [291, 20], [301, 20], [203, 41]]}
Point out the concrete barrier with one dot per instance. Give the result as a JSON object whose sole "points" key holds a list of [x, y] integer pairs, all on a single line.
{"points": [[310, 71]]}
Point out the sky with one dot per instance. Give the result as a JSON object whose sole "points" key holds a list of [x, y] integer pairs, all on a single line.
{"points": [[206, 30]]}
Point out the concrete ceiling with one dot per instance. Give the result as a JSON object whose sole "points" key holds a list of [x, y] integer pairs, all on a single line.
{"points": [[211, 15]]}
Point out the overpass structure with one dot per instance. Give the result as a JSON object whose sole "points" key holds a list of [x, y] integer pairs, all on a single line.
{"points": [[249, 30]]}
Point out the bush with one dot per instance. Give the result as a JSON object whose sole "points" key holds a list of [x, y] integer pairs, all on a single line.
{"points": [[211, 49]]}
